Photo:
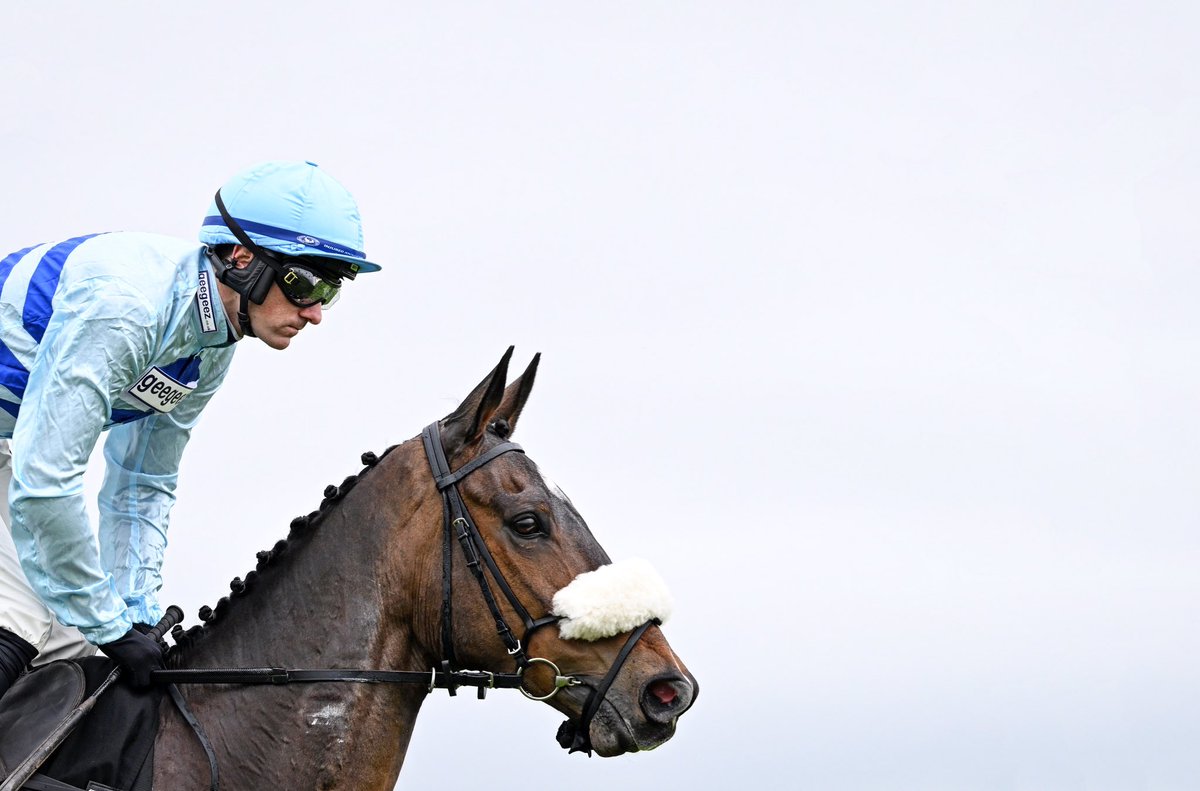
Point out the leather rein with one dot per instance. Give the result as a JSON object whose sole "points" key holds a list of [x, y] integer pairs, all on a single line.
{"points": [[461, 528]]}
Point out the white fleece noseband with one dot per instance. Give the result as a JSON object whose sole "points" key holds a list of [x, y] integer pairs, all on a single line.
{"points": [[612, 599]]}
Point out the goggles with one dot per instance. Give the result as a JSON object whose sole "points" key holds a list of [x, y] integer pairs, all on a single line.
{"points": [[304, 286]]}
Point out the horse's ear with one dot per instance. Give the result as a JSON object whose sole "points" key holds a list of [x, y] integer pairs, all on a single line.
{"points": [[517, 393], [467, 423]]}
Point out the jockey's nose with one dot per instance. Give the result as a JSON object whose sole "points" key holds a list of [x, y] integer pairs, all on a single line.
{"points": [[312, 313]]}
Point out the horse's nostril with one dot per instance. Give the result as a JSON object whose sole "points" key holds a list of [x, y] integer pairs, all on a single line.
{"points": [[664, 691], [665, 699]]}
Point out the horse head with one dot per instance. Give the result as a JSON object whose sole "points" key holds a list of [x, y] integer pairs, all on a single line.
{"points": [[515, 580]]}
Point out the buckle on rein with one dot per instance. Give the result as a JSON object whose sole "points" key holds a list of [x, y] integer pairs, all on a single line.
{"points": [[469, 675], [455, 679]]}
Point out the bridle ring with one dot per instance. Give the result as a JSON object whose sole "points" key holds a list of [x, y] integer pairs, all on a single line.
{"points": [[560, 680]]}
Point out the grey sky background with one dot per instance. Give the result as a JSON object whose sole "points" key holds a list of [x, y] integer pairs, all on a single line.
{"points": [[872, 325]]}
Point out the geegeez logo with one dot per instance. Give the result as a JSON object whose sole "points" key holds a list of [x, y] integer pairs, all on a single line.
{"points": [[161, 390], [208, 322], [158, 391], [308, 240]]}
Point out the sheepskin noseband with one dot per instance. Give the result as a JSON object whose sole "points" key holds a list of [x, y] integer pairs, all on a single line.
{"points": [[612, 599]]}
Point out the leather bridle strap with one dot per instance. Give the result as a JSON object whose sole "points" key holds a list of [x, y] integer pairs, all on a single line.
{"points": [[458, 521], [448, 479], [581, 739]]}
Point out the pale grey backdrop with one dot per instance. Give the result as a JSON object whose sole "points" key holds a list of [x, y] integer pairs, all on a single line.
{"points": [[871, 324]]}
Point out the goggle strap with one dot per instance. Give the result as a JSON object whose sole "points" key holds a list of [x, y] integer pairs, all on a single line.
{"points": [[233, 225], [254, 286]]}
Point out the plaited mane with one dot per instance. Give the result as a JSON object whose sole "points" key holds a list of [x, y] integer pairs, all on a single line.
{"points": [[301, 529]]}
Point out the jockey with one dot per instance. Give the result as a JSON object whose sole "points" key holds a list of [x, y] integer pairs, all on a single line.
{"points": [[133, 333]]}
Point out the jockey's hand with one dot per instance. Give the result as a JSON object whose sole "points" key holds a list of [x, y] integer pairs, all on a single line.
{"points": [[137, 653], [145, 628]]}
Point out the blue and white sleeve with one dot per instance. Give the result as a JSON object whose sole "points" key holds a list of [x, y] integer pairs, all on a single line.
{"points": [[88, 345]]}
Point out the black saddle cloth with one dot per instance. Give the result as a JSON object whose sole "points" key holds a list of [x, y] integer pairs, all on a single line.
{"points": [[113, 745]]}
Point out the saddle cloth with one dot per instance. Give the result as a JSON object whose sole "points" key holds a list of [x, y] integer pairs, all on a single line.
{"points": [[113, 745]]}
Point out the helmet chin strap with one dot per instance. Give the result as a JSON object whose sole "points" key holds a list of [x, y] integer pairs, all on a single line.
{"points": [[243, 317]]}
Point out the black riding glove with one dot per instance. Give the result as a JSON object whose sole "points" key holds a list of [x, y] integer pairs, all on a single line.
{"points": [[15, 654], [138, 653], [146, 628]]}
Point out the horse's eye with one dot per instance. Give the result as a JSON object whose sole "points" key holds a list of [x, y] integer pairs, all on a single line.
{"points": [[526, 525]]}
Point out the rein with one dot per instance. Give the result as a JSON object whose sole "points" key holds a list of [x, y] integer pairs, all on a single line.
{"points": [[458, 526]]}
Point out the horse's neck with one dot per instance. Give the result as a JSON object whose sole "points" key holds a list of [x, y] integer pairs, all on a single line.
{"points": [[318, 599], [329, 601]]}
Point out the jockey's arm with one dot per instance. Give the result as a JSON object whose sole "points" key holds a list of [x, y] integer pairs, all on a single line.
{"points": [[141, 470], [99, 335]]}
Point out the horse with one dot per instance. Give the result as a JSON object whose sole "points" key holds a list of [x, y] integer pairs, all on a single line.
{"points": [[423, 561]]}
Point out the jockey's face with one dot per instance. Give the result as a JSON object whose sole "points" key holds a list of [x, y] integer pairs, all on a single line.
{"points": [[277, 320]]}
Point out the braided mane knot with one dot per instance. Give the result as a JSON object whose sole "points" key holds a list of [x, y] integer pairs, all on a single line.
{"points": [[299, 527]]}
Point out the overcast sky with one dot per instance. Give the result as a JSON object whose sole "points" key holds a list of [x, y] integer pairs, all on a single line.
{"points": [[872, 325]]}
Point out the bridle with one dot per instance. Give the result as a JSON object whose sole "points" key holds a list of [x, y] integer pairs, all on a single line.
{"points": [[457, 526]]}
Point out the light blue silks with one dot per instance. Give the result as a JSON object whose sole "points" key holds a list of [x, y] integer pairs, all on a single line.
{"points": [[83, 324]]}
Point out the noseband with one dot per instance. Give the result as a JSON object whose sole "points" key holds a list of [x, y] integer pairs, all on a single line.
{"points": [[458, 524]]}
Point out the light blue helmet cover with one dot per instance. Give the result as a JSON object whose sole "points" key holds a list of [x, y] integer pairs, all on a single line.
{"points": [[293, 208]]}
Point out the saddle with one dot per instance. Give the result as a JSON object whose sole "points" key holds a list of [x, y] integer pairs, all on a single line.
{"points": [[112, 748]]}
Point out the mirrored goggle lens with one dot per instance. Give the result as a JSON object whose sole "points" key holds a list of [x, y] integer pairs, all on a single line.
{"points": [[305, 287]]}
